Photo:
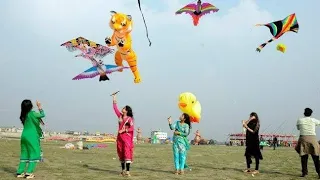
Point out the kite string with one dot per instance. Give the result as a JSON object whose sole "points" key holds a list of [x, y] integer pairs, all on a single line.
{"points": [[145, 24]]}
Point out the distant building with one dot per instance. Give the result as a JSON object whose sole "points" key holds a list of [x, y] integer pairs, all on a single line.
{"points": [[158, 136], [73, 133]]}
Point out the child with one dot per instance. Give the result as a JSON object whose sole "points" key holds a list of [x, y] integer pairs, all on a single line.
{"points": [[30, 139]]}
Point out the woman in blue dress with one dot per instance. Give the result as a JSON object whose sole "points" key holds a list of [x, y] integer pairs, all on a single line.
{"points": [[180, 142]]}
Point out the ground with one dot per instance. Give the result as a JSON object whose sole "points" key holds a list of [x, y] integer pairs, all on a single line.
{"points": [[152, 162]]}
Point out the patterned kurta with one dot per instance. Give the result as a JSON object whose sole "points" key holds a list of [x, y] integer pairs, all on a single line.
{"points": [[180, 144]]}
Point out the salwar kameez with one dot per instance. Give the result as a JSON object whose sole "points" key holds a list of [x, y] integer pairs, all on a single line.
{"points": [[252, 145], [30, 142], [180, 145]]}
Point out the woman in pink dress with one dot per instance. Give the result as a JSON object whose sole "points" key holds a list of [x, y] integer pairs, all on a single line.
{"points": [[125, 136]]}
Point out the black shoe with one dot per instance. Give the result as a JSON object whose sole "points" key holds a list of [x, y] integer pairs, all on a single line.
{"points": [[303, 175]]}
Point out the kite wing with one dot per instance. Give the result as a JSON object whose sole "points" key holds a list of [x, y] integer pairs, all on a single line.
{"points": [[89, 73], [77, 44], [88, 47], [278, 28], [102, 51], [207, 8], [113, 68], [188, 9]]}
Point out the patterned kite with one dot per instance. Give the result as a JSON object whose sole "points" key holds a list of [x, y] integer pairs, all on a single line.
{"points": [[88, 48], [198, 10], [278, 28], [101, 69]]}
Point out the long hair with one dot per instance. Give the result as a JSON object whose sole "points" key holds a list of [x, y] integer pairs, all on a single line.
{"points": [[258, 121], [26, 107], [187, 119], [129, 111]]}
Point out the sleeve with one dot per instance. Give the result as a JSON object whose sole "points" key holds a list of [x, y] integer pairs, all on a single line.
{"points": [[298, 124], [186, 132], [316, 122], [39, 114], [131, 127], [256, 128], [173, 126], [116, 110]]}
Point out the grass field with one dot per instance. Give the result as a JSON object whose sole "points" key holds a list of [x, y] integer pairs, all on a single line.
{"points": [[152, 162]]}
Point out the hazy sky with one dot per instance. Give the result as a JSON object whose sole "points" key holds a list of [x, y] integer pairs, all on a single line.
{"points": [[215, 60]]}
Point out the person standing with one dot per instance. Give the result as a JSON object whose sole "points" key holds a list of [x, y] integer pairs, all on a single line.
{"points": [[261, 142], [275, 142], [252, 142], [307, 143], [125, 136], [180, 142], [30, 139]]}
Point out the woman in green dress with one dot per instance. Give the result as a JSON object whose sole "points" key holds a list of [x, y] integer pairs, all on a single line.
{"points": [[30, 144], [180, 142]]}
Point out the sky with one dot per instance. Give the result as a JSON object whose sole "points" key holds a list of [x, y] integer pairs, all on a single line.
{"points": [[215, 60]]}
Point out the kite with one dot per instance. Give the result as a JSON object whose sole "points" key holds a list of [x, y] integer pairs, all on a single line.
{"points": [[281, 47], [88, 48], [198, 10], [101, 70], [278, 28], [145, 24], [188, 104], [121, 24]]}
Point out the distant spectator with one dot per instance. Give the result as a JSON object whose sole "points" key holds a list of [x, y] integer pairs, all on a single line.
{"points": [[275, 142]]}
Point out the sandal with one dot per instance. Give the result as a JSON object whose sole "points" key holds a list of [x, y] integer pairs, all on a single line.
{"points": [[255, 172], [128, 174], [123, 173], [29, 176], [22, 175], [247, 171], [176, 172], [181, 173]]}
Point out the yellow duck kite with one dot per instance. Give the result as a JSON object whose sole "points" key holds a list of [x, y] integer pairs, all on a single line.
{"points": [[188, 104]]}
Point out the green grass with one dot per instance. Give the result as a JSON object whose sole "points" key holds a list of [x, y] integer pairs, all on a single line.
{"points": [[152, 162]]}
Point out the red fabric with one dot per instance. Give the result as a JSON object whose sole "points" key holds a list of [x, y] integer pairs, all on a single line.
{"points": [[125, 140]]}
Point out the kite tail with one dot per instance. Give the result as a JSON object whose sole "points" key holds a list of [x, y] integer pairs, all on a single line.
{"points": [[103, 77], [195, 20], [145, 24], [264, 44]]}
